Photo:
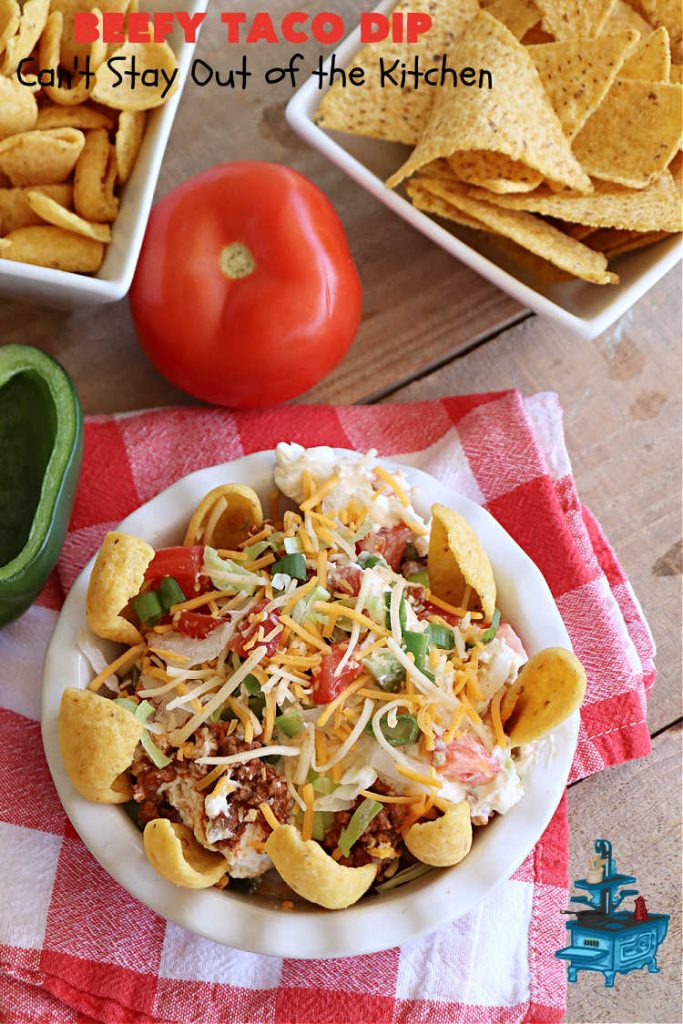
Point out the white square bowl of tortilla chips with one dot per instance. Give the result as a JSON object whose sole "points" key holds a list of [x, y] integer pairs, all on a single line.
{"points": [[260, 922], [79, 165], [562, 183]]}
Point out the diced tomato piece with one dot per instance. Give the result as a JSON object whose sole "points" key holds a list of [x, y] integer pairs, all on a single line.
{"points": [[246, 630], [506, 632], [196, 625], [346, 578], [467, 761], [326, 685], [427, 609], [389, 542], [184, 564]]}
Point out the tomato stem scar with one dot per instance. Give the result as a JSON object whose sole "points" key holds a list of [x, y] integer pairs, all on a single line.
{"points": [[236, 260]]}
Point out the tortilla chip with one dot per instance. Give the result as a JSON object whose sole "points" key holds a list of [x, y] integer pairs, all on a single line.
{"points": [[575, 19], [667, 13], [518, 15], [117, 577], [547, 691], [391, 113], [129, 135], [577, 74], [95, 178], [174, 852], [497, 119], [51, 211], [148, 56], [623, 16], [97, 738], [428, 203], [41, 157], [50, 58], [638, 240], [494, 171], [18, 108], [10, 16], [84, 117], [578, 231], [531, 233], [445, 841], [313, 874], [655, 208], [33, 18], [651, 61], [634, 134], [675, 74], [70, 48], [224, 517], [15, 211], [456, 561]]}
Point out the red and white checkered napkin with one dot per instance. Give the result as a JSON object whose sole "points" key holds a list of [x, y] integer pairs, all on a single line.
{"points": [[74, 947]]}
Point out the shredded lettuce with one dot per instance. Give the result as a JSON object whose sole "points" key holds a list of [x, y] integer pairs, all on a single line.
{"points": [[281, 581], [363, 530], [293, 545], [303, 611], [216, 569]]}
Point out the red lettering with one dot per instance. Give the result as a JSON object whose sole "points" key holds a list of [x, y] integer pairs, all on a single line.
{"points": [[417, 25], [289, 33], [86, 27], [233, 19], [327, 35], [163, 25], [190, 24], [262, 29], [373, 27], [138, 27]]}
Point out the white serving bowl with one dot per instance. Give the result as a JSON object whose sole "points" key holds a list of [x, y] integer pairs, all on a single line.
{"points": [[586, 309], [45, 286], [377, 922]]}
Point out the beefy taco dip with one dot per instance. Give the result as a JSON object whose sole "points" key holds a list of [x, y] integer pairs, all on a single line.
{"points": [[331, 692]]}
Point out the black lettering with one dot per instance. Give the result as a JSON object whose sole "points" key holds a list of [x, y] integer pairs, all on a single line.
{"points": [[468, 76], [485, 76]]}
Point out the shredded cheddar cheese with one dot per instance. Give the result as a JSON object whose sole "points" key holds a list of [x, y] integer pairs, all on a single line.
{"points": [[125, 660], [267, 812], [308, 798]]}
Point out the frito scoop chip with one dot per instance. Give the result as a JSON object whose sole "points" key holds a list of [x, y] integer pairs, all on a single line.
{"points": [[50, 58], [444, 841], [10, 16], [49, 246], [456, 560], [52, 212], [117, 577], [98, 739], [15, 211], [150, 58], [173, 851], [95, 178], [313, 874], [18, 108], [129, 135], [224, 517], [32, 22], [548, 690], [41, 157]]}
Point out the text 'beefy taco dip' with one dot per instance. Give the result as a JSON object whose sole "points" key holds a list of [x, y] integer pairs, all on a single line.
{"points": [[330, 692]]}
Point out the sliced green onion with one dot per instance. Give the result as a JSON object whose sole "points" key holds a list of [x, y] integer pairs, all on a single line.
{"points": [[323, 786], [127, 703], [488, 635], [291, 565], [290, 724], [142, 711], [292, 545], [366, 560], [421, 577], [417, 644], [157, 756], [405, 731], [402, 611], [252, 685], [386, 670], [312, 775], [360, 819], [441, 636], [322, 823], [402, 877], [170, 593], [148, 608]]}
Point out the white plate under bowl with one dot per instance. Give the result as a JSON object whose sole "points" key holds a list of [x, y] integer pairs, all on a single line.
{"points": [[377, 922], [586, 309], [48, 287]]}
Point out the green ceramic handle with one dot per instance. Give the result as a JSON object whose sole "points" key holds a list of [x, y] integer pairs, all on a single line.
{"points": [[41, 448]]}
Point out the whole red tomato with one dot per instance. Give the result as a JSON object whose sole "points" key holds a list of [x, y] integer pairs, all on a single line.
{"points": [[246, 292]]}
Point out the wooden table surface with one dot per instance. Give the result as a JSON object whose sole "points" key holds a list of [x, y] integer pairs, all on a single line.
{"points": [[432, 327]]}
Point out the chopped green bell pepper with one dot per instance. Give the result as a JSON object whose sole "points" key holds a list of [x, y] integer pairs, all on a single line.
{"points": [[41, 440]]}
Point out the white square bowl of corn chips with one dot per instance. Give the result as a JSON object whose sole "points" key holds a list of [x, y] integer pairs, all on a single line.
{"points": [[561, 184], [79, 159]]}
